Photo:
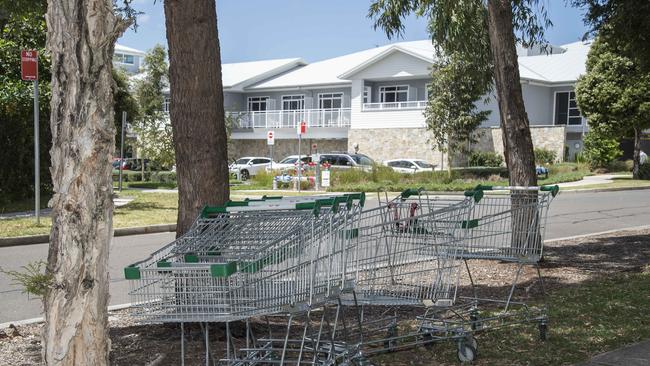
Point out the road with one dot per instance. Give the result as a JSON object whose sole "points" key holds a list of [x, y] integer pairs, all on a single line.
{"points": [[570, 214]]}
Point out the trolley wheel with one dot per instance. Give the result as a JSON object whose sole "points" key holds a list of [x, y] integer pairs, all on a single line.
{"points": [[466, 353], [543, 331], [470, 340], [474, 319], [427, 340], [245, 174], [389, 343]]}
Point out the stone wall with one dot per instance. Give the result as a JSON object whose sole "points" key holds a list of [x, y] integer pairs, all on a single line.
{"points": [[394, 143], [547, 137], [283, 148]]}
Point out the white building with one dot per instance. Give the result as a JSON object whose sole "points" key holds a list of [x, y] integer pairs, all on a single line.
{"points": [[128, 58], [375, 99]]}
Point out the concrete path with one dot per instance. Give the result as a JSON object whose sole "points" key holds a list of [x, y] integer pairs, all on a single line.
{"points": [[592, 180], [637, 354]]}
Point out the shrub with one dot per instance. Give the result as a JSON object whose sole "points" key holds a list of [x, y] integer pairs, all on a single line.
{"points": [[163, 177], [644, 171], [485, 158], [544, 156], [600, 149], [620, 166], [263, 178], [480, 172]]}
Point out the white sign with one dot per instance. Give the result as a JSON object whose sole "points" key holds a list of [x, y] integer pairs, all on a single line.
{"points": [[325, 178], [270, 138]]}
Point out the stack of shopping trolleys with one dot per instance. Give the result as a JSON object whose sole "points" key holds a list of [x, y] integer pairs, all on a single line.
{"points": [[332, 279]]}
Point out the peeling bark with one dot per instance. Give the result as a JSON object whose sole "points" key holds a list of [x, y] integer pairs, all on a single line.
{"points": [[517, 142], [197, 114], [81, 37]]}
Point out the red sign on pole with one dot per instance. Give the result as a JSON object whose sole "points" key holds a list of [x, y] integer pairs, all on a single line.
{"points": [[302, 128], [29, 65], [270, 138]]}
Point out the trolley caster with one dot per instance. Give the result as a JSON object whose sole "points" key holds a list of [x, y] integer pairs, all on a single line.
{"points": [[543, 331], [466, 353], [390, 343], [427, 340], [471, 341], [474, 319]]}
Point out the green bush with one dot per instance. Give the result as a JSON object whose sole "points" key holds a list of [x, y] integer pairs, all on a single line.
{"points": [[600, 149], [163, 177], [620, 166], [644, 171], [485, 158], [263, 178], [545, 157], [480, 172], [152, 185]]}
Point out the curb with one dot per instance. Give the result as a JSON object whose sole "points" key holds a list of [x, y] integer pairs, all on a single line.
{"points": [[123, 231], [596, 190]]}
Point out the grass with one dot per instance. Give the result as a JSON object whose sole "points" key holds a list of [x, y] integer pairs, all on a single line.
{"points": [[385, 179], [145, 209], [24, 205], [586, 319]]}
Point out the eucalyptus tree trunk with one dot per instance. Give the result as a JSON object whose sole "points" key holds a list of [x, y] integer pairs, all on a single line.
{"points": [[517, 142], [80, 39], [196, 112]]}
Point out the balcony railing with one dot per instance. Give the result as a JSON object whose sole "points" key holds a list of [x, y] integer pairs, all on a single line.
{"points": [[418, 104], [339, 117]]}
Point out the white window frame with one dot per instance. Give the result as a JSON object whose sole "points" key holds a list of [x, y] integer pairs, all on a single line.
{"points": [[264, 99], [367, 94], [383, 92], [330, 96], [569, 108], [293, 97], [166, 102], [120, 58]]}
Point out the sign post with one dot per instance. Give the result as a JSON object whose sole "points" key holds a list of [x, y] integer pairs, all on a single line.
{"points": [[270, 140], [302, 129], [29, 72], [122, 151]]}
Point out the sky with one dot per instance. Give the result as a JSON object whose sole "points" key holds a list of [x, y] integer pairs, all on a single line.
{"points": [[252, 30]]}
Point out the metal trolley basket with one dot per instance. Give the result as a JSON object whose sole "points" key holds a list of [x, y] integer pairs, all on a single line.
{"points": [[245, 260]]}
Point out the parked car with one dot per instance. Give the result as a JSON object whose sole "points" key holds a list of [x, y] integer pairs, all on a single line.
{"points": [[123, 166], [346, 161], [409, 165], [249, 166], [291, 162]]}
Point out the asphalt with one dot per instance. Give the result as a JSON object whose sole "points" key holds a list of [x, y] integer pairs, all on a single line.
{"points": [[570, 215], [637, 354]]}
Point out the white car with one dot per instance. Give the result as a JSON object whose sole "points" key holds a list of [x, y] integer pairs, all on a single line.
{"points": [[291, 162], [249, 166], [409, 165]]}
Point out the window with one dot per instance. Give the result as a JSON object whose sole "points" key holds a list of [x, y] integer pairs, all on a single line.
{"points": [[166, 103], [124, 59], [293, 102], [330, 100], [261, 161], [256, 104], [566, 109], [391, 94], [367, 94]]}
